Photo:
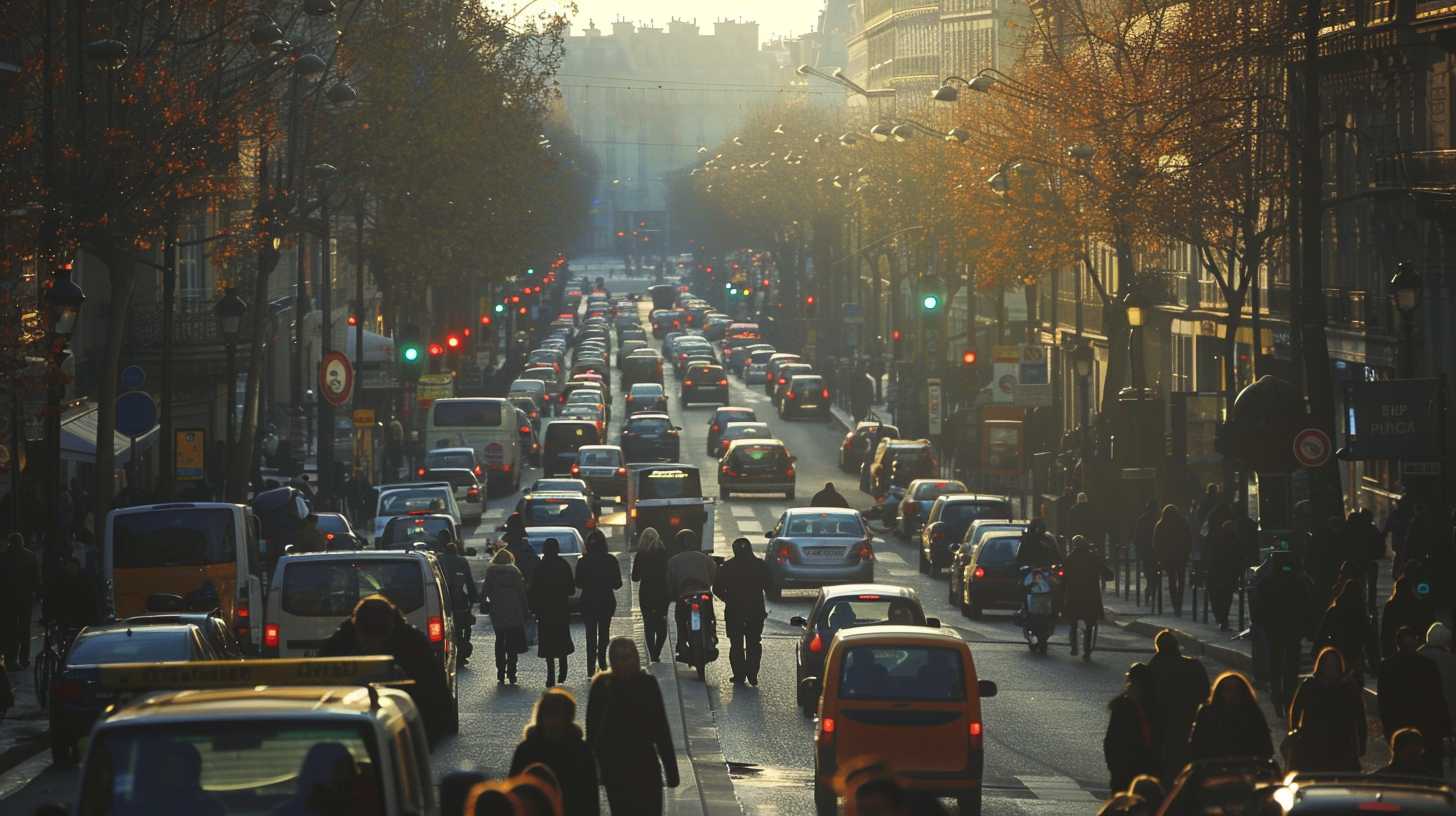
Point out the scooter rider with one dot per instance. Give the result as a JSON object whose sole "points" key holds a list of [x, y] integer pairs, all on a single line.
{"points": [[1036, 548], [690, 571]]}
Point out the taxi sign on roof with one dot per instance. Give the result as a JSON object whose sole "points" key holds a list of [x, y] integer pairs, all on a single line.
{"points": [[211, 674]]}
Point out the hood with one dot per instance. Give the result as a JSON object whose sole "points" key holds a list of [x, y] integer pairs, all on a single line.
{"points": [[742, 548], [1438, 636]]}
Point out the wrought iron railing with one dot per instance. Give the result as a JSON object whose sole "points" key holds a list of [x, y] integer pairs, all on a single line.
{"points": [[194, 324]]}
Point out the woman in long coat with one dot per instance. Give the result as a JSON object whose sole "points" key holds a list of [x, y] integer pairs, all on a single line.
{"points": [[1130, 745], [1230, 724], [649, 569], [550, 593], [1327, 718], [503, 595], [598, 576], [626, 727]]}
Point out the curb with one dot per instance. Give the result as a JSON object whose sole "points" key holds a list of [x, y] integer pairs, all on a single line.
{"points": [[704, 749], [24, 751]]}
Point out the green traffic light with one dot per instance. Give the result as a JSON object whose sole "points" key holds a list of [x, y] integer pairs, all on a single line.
{"points": [[530, 271], [411, 354], [728, 286], [930, 302], [499, 308]]}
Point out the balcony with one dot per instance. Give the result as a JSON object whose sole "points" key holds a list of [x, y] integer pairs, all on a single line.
{"points": [[1430, 174], [197, 343]]}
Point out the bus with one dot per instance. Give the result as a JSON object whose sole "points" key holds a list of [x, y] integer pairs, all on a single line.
{"points": [[487, 424]]}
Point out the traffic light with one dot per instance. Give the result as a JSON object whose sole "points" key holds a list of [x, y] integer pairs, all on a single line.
{"points": [[485, 320], [896, 336], [809, 304], [500, 308], [453, 342], [968, 357], [930, 302], [764, 283], [436, 349], [411, 354]]}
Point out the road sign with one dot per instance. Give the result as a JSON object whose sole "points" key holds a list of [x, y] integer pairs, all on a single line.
{"points": [[136, 413], [191, 456], [1312, 447], [933, 405], [364, 418], [132, 378], [1393, 419], [435, 386], [336, 378], [1005, 373]]}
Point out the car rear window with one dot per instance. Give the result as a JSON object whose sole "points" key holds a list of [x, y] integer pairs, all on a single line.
{"points": [[467, 413], [925, 673], [140, 646], [332, 524], [760, 454], [556, 512], [998, 551], [410, 530], [725, 417], [330, 588], [931, 490], [571, 434], [399, 502], [867, 610], [655, 425], [825, 525], [460, 459], [958, 512], [567, 544], [669, 483], [599, 458]]}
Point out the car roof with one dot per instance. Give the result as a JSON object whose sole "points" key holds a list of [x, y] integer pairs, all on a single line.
{"points": [[553, 494], [651, 386], [916, 482], [570, 422], [152, 619], [649, 415], [595, 448], [574, 483], [450, 470], [956, 498], [722, 408], [552, 530], [899, 632], [351, 555], [145, 508], [890, 590], [470, 451], [756, 442], [312, 702], [445, 516]]}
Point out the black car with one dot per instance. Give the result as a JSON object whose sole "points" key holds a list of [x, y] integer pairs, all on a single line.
{"points": [[807, 395], [704, 382], [991, 576], [641, 366], [947, 522], [720, 420], [212, 625], [645, 398], [651, 438], [564, 437], [417, 529], [338, 532]]}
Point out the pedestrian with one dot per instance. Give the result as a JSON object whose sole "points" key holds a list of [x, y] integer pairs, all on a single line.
{"points": [[1224, 558], [520, 546], [537, 791], [741, 583], [1409, 694], [1229, 723], [1407, 755], [1172, 545], [19, 578], [1403, 608], [550, 590], [828, 497], [376, 627], [1084, 572], [626, 727], [309, 538], [1437, 649], [1346, 627], [1326, 719], [1131, 743], [1280, 612], [503, 595], [556, 741], [1182, 684], [649, 570], [1082, 521], [1142, 546], [598, 576]]}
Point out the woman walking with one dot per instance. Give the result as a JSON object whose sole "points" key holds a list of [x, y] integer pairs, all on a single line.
{"points": [[503, 596], [550, 595], [1403, 608], [555, 740], [1327, 719], [1347, 627], [1230, 723], [626, 727], [1133, 731], [598, 576], [649, 569], [1172, 546]]}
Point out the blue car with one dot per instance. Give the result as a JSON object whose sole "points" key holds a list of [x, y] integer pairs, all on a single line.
{"points": [[920, 494]]}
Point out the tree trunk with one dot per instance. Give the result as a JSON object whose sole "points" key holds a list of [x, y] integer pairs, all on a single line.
{"points": [[1114, 325], [242, 459], [122, 278], [1230, 375]]}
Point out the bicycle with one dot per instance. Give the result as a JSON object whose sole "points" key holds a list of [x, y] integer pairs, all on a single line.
{"points": [[48, 663]]}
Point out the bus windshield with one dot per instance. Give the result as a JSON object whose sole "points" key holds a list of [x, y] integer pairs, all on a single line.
{"points": [[175, 537]]}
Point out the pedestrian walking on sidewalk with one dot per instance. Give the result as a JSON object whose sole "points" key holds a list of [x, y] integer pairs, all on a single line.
{"points": [[555, 740], [1229, 723], [550, 592], [1403, 608], [1225, 559], [19, 579], [1347, 627], [1280, 612], [741, 583], [503, 595], [1326, 719], [1172, 545], [1410, 696], [1131, 743], [649, 570], [626, 727], [598, 576], [1182, 684], [1142, 546], [1438, 651]]}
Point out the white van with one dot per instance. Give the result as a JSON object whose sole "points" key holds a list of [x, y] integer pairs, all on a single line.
{"points": [[487, 424]]}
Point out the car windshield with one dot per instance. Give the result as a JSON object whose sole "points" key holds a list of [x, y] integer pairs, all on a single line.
{"points": [[924, 673], [599, 458], [584, 396], [963, 512], [867, 610], [930, 490], [246, 767], [449, 459], [558, 486], [568, 543], [130, 646], [399, 502], [556, 512], [824, 525], [180, 537], [998, 551], [330, 587], [746, 432], [409, 530], [669, 483]]}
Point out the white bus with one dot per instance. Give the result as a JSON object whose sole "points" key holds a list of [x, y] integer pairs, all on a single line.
{"points": [[487, 424]]}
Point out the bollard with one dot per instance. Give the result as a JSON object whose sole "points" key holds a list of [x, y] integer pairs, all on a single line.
{"points": [[1139, 579]]}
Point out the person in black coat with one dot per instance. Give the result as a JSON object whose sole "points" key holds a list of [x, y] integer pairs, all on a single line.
{"points": [[598, 576], [626, 727], [555, 740], [1403, 608], [1327, 719], [828, 497], [515, 541], [740, 583], [1347, 627], [1410, 695], [1182, 684], [1229, 723], [1133, 731], [649, 569], [550, 594], [1142, 545], [377, 628]]}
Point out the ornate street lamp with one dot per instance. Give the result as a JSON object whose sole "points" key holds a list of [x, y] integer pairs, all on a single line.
{"points": [[1133, 307], [1082, 364], [229, 310], [63, 299], [341, 94], [309, 66], [1405, 289]]}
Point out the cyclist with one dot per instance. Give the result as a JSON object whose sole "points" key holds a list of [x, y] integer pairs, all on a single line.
{"points": [[1085, 570]]}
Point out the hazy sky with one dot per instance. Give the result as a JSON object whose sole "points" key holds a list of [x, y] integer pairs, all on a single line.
{"points": [[774, 17]]}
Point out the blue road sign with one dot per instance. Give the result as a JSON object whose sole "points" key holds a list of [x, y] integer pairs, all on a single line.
{"points": [[136, 413]]}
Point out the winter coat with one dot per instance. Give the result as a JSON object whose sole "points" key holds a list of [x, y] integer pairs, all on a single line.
{"points": [[461, 582], [1330, 722], [1224, 731], [1406, 610], [550, 596], [1082, 592], [1410, 696], [626, 727], [572, 762], [598, 576], [1172, 541], [1348, 629], [689, 571], [649, 569], [504, 588], [526, 558], [741, 583], [1281, 603], [1131, 743], [1438, 651], [1182, 684], [827, 498], [415, 657]]}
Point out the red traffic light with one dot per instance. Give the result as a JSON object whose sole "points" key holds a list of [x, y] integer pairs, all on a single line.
{"points": [[453, 341], [621, 234], [808, 300], [465, 331], [764, 283], [968, 357], [485, 320], [436, 349], [353, 320], [515, 298], [896, 336], [521, 311]]}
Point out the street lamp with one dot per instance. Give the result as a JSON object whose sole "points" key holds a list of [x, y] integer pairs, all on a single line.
{"points": [[309, 66], [63, 299], [1082, 364], [230, 309], [341, 94], [901, 133], [1405, 289], [1133, 306], [881, 132]]}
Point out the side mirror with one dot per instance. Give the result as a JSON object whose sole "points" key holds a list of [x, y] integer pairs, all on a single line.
{"points": [[769, 535], [986, 688], [470, 551], [798, 620], [811, 688], [933, 623], [877, 542], [955, 548]]}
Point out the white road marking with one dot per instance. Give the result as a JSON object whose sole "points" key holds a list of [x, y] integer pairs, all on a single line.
{"points": [[890, 558], [1056, 788], [22, 774], [741, 510]]}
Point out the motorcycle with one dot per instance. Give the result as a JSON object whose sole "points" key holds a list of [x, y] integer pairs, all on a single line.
{"points": [[1038, 617], [882, 516], [700, 646]]}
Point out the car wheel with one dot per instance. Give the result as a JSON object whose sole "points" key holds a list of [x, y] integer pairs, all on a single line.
{"points": [[922, 562]]}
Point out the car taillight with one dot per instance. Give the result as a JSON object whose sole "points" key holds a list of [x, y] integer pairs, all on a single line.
{"points": [[271, 636], [687, 382], [328, 536], [789, 471], [977, 734], [576, 470], [420, 472], [525, 429], [816, 645], [472, 493], [937, 535], [782, 553], [905, 507], [826, 728], [674, 521], [714, 428], [723, 381], [978, 573], [790, 395], [436, 626], [476, 469], [866, 552], [621, 471], [824, 394], [682, 357], [782, 380], [848, 443]]}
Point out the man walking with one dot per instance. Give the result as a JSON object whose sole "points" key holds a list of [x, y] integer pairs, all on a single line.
{"points": [[1182, 684], [1410, 696], [740, 584], [18, 577]]}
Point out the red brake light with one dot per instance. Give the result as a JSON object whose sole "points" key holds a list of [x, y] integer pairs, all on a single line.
{"points": [[674, 520], [824, 394], [327, 537], [817, 644], [723, 381], [977, 734], [789, 471], [826, 726], [525, 429], [866, 552], [575, 470], [66, 691], [782, 380], [271, 636], [476, 469], [869, 598], [791, 395], [715, 428], [436, 625], [782, 553], [687, 382], [472, 493], [979, 573], [420, 472], [621, 471]]}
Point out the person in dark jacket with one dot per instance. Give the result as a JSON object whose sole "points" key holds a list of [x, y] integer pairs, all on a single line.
{"points": [[1327, 718], [1182, 684], [598, 576], [1082, 521], [309, 538], [649, 570], [377, 628], [1280, 611], [1225, 560], [1229, 723], [504, 590], [1142, 545], [1407, 755], [556, 741], [1172, 545], [550, 591], [461, 586], [515, 541], [1409, 694], [1082, 591], [1403, 608], [626, 727], [828, 497], [1133, 731], [19, 577], [740, 583], [1346, 627]]}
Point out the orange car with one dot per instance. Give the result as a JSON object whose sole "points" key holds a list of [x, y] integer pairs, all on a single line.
{"points": [[908, 695]]}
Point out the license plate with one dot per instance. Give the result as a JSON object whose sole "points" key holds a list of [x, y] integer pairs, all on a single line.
{"points": [[697, 620], [822, 551], [809, 405]]}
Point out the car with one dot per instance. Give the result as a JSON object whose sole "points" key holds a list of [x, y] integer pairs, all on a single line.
{"points": [[450, 458], [669, 498], [758, 360], [819, 546], [625, 349], [645, 397], [213, 626], [735, 360], [720, 419], [642, 365], [947, 521], [665, 320], [550, 376], [806, 395], [529, 441], [419, 528], [469, 494], [860, 442], [603, 468], [536, 390], [781, 383], [650, 437], [919, 495], [564, 437], [991, 576], [590, 396], [741, 430], [591, 379], [558, 510], [595, 414], [529, 407], [900, 462], [693, 355], [909, 693], [774, 362], [399, 500], [756, 466], [338, 533], [704, 382], [77, 698], [963, 551], [1331, 793], [572, 485], [545, 357], [846, 606]]}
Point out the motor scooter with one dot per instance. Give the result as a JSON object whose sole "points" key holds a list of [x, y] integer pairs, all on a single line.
{"points": [[1038, 617], [699, 645]]}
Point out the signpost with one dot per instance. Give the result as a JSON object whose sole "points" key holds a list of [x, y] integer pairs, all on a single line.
{"points": [[136, 414], [1033, 388], [1005, 374], [364, 444], [336, 378], [191, 454], [933, 405]]}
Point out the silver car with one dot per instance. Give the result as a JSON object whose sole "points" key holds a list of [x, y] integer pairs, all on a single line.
{"points": [[571, 546], [819, 546]]}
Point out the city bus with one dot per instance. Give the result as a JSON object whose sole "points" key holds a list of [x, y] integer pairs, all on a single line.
{"points": [[487, 424]]}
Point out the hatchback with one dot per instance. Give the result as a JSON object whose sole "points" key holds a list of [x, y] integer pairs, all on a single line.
{"points": [[642, 365], [418, 529], [651, 438], [559, 510], [781, 382], [775, 361], [961, 553], [741, 430], [817, 546], [991, 577], [646, 397], [947, 521], [338, 532], [806, 395], [756, 466], [900, 462], [841, 607], [720, 419], [919, 496], [603, 468], [704, 382]]}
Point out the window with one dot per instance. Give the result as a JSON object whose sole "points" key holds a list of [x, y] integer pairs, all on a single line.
{"points": [[825, 525], [998, 551], [453, 459], [867, 610], [330, 588], [407, 530], [399, 502], [932, 490], [172, 538], [137, 646], [556, 512], [569, 544], [467, 414], [966, 512], [190, 271], [599, 458], [902, 673]]}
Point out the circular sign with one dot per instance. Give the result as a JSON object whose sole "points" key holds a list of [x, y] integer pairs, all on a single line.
{"points": [[1312, 447], [136, 413], [336, 378], [132, 378]]}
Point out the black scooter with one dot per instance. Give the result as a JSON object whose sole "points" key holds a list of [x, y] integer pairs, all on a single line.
{"points": [[699, 646]]}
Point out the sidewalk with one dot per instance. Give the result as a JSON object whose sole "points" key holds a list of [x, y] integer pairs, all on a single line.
{"points": [[25, 730]]}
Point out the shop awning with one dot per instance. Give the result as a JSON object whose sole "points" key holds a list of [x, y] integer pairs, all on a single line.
{"points": [[78, 438]]}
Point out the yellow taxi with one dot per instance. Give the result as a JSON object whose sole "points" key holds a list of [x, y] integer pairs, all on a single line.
{"points": [[908, 695]]}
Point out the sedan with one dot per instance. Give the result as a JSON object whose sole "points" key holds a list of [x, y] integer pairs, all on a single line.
{"points": [[338, 533], [992, 576], [651, 438], [756, 466], [817, 546], [846, 606], [806, 395], [558, 510], [720, 419], [704, 382], [603, 468], [646, 397]]}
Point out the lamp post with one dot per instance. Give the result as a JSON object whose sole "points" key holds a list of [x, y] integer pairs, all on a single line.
{"points": [[323, 174], [1405, 290], [229, 310], [1133, 306], [62, 300], [1082, 364]]}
